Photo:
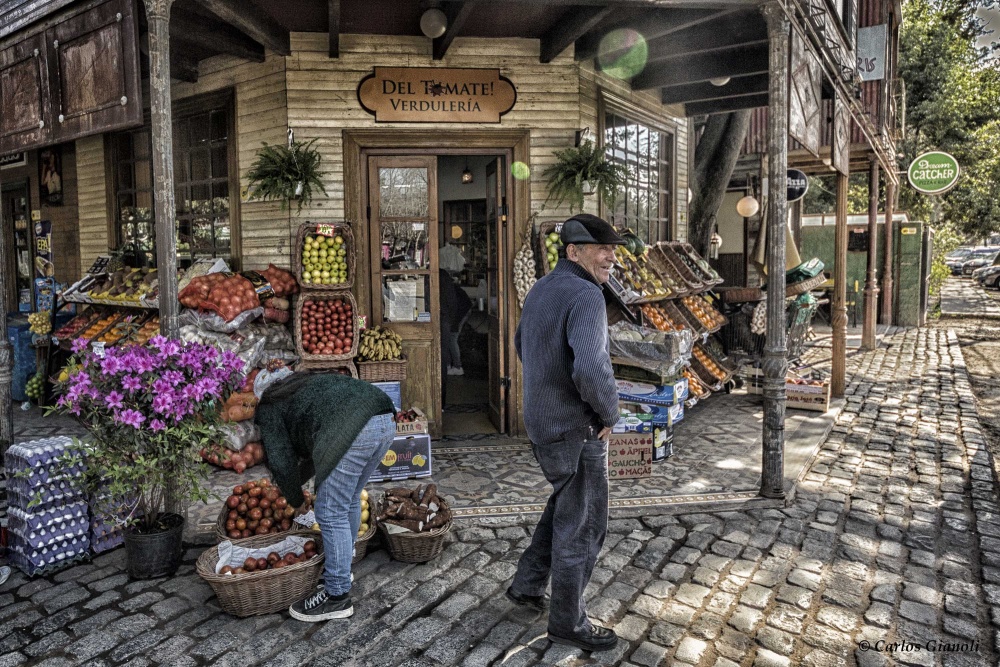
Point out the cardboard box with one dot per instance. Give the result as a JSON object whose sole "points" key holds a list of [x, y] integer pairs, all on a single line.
{"points": [[634, 423], [676, 413], [630, 455], [409, 457], [419, 425], [392, 390], [640, 392], [798, 396]]}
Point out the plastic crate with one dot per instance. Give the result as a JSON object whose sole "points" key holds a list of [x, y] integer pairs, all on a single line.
{"points": [[50, 558]]}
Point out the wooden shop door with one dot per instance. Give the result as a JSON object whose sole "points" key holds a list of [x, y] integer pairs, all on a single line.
{"points": [[496, 223], [403, 229]]}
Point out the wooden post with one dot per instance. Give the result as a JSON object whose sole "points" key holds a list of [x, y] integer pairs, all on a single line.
{"points": [[838, 378], [6, 351], [158, 15], [869, 339], [775, 363], [887, 286]]}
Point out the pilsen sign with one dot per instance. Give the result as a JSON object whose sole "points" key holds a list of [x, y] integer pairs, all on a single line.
{"points": [[436, 95]]}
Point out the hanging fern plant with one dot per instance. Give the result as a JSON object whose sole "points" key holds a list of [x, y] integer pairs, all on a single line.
{"points": [[575, 168], [286, 173]]}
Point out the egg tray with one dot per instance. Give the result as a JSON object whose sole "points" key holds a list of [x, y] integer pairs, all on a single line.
{"points": [[27, 520], [46, 561], [343, 228], [52, 534], [49, 497]]}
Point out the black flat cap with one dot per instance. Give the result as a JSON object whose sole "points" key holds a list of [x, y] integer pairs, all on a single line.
{"points": [[586, 228]]}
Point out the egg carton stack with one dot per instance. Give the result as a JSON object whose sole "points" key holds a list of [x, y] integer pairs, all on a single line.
{"points": [[105, 525], [48, 517]]}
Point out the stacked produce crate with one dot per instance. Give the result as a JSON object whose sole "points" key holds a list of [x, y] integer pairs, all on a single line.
{"points": [[48, 518]]}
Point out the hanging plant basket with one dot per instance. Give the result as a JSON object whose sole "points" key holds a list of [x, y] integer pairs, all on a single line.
{"points": [[583, 171], [286, 173]]}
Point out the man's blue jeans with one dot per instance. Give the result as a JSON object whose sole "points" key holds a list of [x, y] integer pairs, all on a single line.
{"points": [[338, 500], [570, 533]]}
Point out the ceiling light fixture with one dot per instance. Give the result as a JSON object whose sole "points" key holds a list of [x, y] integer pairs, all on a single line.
{"points": [[433, 22], [719, 80], [467, 176]]}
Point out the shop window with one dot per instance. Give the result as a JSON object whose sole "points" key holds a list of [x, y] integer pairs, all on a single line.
{"points": [[646, 202], [202, 188]]}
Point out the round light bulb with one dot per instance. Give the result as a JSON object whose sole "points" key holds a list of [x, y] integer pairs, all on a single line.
{"points": [[719, 81], [433, 23], [747, 207]]}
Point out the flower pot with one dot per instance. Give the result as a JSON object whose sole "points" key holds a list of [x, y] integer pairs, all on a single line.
{"points": [[151, 555], [588, 187]]}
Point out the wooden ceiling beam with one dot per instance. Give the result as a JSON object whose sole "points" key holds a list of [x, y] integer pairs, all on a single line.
{"points": [[333, 27], [573, 25], [725, 105], [737, 31], [705, 91], [250, 19], [652, 25], [456, 21], [183, 67], [213, 36], [692, 69]]}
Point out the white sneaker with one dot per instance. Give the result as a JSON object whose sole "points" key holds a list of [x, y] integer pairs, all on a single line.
{"points": [[4, 573], [455, 371]]}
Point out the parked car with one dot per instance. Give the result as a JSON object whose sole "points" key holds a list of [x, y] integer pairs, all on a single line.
{"points": [[988, 276], [956, 258], [979, 257]]}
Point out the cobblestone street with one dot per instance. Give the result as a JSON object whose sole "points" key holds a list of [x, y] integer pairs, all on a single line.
{"points": [[893, 539]]}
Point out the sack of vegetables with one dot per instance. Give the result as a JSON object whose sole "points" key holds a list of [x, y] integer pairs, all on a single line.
{"points": [[224, 293]]}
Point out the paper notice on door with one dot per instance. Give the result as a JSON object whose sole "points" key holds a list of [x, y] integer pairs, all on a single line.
{"points": [[401, 301]]}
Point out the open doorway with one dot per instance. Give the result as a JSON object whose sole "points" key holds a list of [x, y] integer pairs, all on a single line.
{"points": [[470, 200]]}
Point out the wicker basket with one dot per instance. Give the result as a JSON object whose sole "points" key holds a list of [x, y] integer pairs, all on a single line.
{"points": [[680, 269], [796, 289], [740, 294], [344, 229], [300, 300], [382, 371], [544, 229], [264, 592], [412, 547], [361, 543], [327, 367]]}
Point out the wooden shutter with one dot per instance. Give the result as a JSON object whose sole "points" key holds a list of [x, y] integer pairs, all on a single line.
{"points": [[25, 120], [95, 71]]}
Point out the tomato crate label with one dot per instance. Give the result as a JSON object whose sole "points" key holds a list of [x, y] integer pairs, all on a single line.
{"points": [[630, 455], [408, 457]]}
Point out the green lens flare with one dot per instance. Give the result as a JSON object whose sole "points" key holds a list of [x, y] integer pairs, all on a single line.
{"points": [[623, 53], [520, 171]]}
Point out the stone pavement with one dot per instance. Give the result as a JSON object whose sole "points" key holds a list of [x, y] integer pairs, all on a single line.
{"points": [[963, 297], [889, 552]]}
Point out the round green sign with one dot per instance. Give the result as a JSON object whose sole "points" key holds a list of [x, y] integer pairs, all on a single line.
{"points": [[933, 173]]}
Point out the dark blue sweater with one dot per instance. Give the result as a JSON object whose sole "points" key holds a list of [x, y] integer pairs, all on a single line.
{"points": [[562, 341]]}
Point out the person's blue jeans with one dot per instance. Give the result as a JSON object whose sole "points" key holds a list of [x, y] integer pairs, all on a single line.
{"points": [[338, 500]]}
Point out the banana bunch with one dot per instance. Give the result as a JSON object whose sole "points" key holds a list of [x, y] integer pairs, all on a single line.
{"points": [[41, 322], [378, 344]]}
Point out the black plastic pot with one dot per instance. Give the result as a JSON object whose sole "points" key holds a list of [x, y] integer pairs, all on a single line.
{"points": [[158, 554]]}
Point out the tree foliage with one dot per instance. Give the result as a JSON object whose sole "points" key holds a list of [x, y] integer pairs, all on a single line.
{"points": [[952, 104]]}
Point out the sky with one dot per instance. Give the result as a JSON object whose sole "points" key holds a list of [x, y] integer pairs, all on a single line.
{"points": [[993, 16]]}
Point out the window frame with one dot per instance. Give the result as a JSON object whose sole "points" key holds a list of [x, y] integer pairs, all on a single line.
{"points": [[609, 103], [224, 100]]}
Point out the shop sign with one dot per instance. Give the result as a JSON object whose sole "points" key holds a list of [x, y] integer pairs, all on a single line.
{"points": [[872, 52], [908, 231], [13, 160], [436, 95], [933, 173], [797, 185], [630, 455]]}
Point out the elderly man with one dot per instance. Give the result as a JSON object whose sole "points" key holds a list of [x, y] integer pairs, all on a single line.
{"points": [[570, 405]]}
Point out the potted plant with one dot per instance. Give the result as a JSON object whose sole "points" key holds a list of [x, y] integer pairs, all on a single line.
{"points": [[148, 409], [581, 171], [286, 173]]}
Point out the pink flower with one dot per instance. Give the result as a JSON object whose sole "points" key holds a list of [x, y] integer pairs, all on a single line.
{"points": [[113, 399], [157, 425], [132, 418], [79, 345], [131, 383]]}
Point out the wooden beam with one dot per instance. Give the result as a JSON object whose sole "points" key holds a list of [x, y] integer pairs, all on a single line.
{"points": [[725, 105], [573, 25], [708, 37], [183, 67], [651, 25], [734, 62], [456, 21], [333, 27], [250, 19], [705, 91], [214, 36]]}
